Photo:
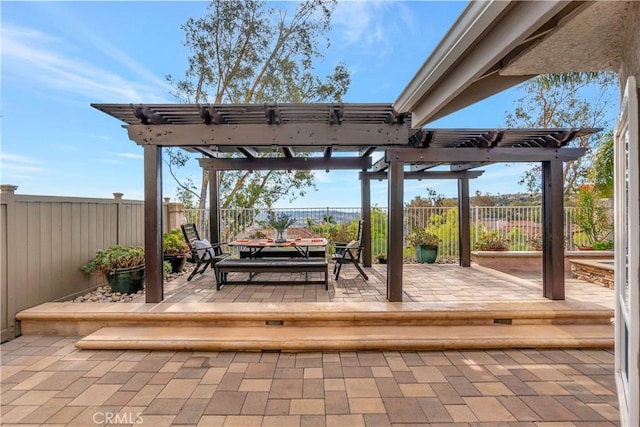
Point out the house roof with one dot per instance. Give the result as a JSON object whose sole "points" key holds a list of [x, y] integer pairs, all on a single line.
{"points": [[498, 44]]}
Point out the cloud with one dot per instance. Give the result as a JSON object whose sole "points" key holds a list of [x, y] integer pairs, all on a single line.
{"points": [[16, 166], [18, 158], [23, 177], [323, 177], [39, 58], [360, 22], [130, 155]]}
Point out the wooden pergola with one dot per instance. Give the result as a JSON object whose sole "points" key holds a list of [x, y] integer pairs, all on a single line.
{"points": [[336, 136]]}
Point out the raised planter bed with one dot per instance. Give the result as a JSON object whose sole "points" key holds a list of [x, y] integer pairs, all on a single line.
{"points": [[531, 261], [598, 272]]}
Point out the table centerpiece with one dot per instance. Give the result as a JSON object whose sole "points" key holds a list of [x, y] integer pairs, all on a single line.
{"points": [[280, 223]]}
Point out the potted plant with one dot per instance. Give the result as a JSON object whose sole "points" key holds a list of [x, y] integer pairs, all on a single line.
{"points": [[280, 223], [606, 245], [535, 243], [492, 242], [382, 258], [426, 245], [123, 267], [175, 249]]}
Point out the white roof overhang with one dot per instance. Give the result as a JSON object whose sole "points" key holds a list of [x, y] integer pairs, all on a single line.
{"points": [[497, 44]]}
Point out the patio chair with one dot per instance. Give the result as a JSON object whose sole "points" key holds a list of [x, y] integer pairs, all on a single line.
{"points": [[350, 253], [205, 254]]}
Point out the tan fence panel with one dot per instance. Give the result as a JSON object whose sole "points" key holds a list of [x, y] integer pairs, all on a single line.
{"points": [[131, 224], [4, 278], [45, 240]]}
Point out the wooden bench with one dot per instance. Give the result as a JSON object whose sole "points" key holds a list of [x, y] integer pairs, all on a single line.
{"points": [[262, 265], [280, 253]]}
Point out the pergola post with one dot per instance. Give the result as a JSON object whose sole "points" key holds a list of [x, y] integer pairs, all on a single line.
{"points": [[366, 217], [153, 223], [395, 230], [553, 230], [214, 206], [464, 222]]}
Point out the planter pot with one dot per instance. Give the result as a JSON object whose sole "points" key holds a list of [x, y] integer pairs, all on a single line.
{"points": [[177, 262], [382, 260], [426, 254], [126, 280]]}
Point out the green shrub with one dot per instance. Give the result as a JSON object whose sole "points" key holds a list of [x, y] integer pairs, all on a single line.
{"points": [[166, 268], [115, 257], [603, 245], [173, 243], [420, 236], [492, 241]]}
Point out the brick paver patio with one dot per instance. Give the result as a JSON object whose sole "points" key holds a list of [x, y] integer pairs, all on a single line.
{"points": [[47, 381], [422, 283]]}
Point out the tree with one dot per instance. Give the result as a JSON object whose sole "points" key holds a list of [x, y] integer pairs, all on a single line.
{"points": [[242, 52], [559, 101], [602, 167], [420, 209], [483, 200]]}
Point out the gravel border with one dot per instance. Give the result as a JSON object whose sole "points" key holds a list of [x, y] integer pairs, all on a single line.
{"points": [[104, 294]]}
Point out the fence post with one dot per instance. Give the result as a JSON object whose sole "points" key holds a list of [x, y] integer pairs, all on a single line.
{"points": [[8, 197], [175, 215], [119, 221]]}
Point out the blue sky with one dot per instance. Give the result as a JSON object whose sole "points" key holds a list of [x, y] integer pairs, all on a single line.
{"points": [[58, 57]]}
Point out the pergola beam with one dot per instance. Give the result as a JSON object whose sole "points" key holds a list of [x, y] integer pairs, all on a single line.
{"points": [[287, 163], [248, 152], [455, 167], [498, 154], [380, 165], [423, 166], [365, 152], [289, 152], [294, 134], [205, 151], [426, 175]]}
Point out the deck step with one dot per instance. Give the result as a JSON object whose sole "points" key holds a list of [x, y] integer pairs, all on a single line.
{"points": [[319, 338], [82, 319]]}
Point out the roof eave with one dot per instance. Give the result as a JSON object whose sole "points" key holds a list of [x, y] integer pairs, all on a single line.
{"points": [[493, 32], [474, 20]]}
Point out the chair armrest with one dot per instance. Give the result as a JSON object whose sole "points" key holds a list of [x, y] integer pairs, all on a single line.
{"points": [[340, 247]]}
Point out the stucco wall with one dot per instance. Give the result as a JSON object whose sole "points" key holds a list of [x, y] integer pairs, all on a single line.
{"points": [[631, 45]]}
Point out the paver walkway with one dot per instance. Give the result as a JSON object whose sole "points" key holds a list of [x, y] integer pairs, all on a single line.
{"points": [[47, 381]]}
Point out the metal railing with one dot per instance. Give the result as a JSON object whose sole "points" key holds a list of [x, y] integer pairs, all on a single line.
{"points": [[521, 225]]}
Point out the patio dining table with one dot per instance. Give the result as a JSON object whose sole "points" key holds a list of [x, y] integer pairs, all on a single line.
{"points": [[260, 260], [302, 246]]}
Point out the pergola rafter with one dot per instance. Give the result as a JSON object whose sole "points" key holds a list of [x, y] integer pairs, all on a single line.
{"points": [[336, 136]]}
